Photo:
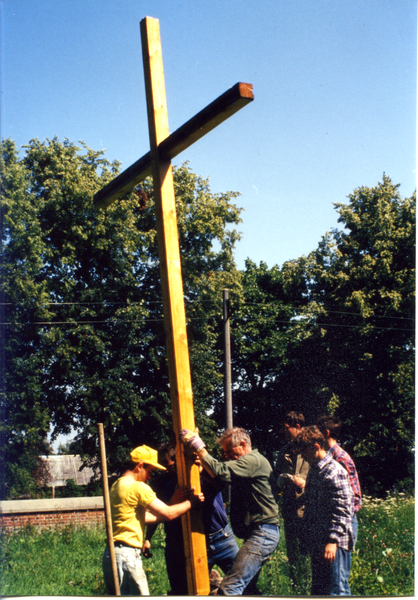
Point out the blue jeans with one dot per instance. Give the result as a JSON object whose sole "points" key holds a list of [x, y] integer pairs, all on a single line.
{"points": [[354, 524], [254, 552], [222, 549], [132, 578], [330, 579]]}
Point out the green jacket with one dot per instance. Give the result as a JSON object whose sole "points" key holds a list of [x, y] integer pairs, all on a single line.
{"points": [[252, 500], [290, 463]]}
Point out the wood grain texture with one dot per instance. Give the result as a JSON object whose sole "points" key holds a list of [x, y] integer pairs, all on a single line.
{"points": [[198, 126], [173, 301]]}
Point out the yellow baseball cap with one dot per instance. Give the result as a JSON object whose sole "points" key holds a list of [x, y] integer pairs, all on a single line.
{"points": [[146, 455]]}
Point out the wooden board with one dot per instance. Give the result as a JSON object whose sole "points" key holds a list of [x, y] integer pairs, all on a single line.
{"points": [[157, 162], [173, 301], [207, 119]]}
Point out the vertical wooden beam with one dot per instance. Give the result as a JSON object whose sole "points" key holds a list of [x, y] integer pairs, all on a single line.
{"points": [[173, 300]]}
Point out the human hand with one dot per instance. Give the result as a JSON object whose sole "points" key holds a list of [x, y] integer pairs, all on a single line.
{"points": [[196, 499], [330, 552], [146, 549], [192, 440], [198, 463], [299, 482], [180, 495]]}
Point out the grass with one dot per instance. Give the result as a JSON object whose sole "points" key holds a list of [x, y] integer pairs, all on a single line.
{"points": [[383, 561], [55, 562], [67, 561]]}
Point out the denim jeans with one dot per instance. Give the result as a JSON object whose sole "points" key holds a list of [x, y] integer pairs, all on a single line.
{"points": [[354, 524], [132, 578], [254, 552], [330, 579], [222, 549]]}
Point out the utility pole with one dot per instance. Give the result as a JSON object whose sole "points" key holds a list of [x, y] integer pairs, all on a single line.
{"points": [[227, 355]]}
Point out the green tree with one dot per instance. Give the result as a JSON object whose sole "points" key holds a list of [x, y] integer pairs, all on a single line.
{"points": [[333, 332], [23, 295], [85, 337], [357, 334], [261, 318]]}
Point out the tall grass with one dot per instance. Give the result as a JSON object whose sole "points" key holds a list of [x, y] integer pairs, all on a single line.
{"points": [[67, 561], [383, 561]]}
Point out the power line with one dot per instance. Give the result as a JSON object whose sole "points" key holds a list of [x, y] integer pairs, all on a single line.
{"points": [[241, 304], [289, 322]]}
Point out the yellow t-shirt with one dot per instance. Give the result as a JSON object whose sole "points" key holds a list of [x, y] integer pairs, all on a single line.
{"points": [[128, 500]]}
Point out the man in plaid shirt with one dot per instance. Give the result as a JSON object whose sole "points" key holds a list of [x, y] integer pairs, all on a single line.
{"points": [[327, 522], [330, 428]]}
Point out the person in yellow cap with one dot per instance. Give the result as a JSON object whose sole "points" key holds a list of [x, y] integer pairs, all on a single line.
{"points": [[133, 505]]}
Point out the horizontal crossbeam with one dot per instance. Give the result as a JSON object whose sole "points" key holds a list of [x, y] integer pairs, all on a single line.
{"points": [[207, 119]]}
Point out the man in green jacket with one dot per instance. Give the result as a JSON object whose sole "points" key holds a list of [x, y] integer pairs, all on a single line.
{"points": [[254, 511], [291, 471]]}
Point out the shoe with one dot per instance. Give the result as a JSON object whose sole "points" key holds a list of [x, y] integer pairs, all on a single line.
{"points": [[215, 581]]}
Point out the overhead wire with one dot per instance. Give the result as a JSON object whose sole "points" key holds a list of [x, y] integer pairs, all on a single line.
{"points": [[241, 304], [114, 321]]}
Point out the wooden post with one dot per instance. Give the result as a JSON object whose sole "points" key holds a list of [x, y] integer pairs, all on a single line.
{"points": [[108, 513], [173, 301], [164, 147]]}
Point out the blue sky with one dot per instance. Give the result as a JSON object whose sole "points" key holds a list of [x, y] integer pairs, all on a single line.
{"points": [[334, 84]]}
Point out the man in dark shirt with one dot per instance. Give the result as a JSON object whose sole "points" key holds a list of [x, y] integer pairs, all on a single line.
{"points": [[291, 472], [254, 511], [220, 542]]}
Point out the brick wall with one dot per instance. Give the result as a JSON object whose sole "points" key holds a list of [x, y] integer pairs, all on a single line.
{"points": [[51, 512]]}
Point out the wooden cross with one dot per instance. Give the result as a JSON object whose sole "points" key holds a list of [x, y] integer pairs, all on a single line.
{"points": [[157, 162]]}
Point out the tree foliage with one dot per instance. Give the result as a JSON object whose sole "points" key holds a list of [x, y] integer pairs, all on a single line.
{"points": [[82, 326], [261, 322], [85, 337], [338, 336], [361, 283]]}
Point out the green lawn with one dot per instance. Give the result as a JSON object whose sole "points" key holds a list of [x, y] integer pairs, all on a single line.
{"points": [[67, 562]]}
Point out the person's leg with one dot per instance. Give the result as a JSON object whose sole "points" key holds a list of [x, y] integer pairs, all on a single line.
{"points": [[176, 570], [339, 573], [302, 568], [354, 524], [107, 572], [290, 535], [132, 578], [297, 559], [222, 549], [252, 555], [320, 573], [252, 589], [137, 580]]}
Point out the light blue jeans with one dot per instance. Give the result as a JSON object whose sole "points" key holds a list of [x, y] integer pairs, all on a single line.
{"points": [[132, 578], [257, 548], [354, 524], [222, 549]]}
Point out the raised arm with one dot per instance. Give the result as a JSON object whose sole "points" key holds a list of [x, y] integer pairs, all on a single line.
{"points": [[195, 443]]}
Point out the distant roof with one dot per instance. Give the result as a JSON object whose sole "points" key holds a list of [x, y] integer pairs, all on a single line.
{"points": [[66, 466]]}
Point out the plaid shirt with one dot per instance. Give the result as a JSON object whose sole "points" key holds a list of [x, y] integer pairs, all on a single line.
{"points": [[329, 505], [347, 462]]}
